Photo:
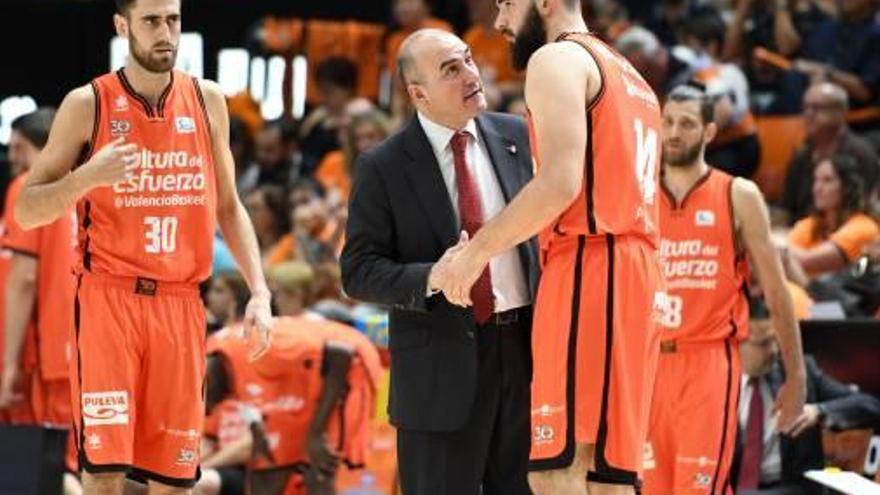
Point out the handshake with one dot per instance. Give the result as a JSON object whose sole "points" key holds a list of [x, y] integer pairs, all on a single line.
{"points": [[456, 272]]}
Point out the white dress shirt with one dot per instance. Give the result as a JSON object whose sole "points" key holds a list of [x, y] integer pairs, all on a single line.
{"points": [[508, 280], [771, 458]]}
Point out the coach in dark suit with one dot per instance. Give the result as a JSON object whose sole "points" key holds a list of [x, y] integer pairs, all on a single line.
{"points": [[775, 464], [460, 377]]}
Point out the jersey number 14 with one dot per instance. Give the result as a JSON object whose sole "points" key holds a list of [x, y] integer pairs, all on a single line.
{"points": [[646, 160]]}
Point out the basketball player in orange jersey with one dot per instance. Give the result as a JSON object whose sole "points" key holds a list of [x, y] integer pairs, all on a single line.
{"points": [[595, 127], [155, 177], [708, 222]]}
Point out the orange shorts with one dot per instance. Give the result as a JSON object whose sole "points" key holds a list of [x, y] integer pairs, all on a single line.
{"points": [[137, 378], [697, 384], [595, 345]]}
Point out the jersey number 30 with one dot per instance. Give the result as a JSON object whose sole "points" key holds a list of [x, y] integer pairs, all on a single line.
{"points": [[161, 234], [646, 160]]}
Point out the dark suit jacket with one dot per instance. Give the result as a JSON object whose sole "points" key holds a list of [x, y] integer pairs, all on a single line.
{"points": [[845, 408], [401, 220]]}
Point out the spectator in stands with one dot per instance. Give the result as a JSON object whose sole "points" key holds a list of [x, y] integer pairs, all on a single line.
{"points": [[277, 158], [491, 51], [241, 145], [608, 18], [839, 229], [293, 287], [337, 79], [336, 170], [226, 298], [735, 149], [667, 18], [660, 67], [781, 27], [770, 463], [316, 234], [825, 107], [409, 17], [846, 51], [269, 211]]}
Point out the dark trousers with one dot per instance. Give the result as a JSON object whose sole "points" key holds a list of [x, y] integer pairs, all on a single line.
{"points": [[492, 449]]}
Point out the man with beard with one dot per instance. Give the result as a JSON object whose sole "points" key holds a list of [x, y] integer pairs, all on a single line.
{"points": [[459, 376], [155, 178], [709, 221], [595, 125]]}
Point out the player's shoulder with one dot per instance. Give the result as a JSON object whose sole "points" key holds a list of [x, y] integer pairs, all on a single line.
{"points": [[208, 87], [559, 57], [82, 98], [745, 188]]}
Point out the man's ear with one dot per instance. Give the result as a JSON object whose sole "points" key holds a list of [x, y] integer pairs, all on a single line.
{"points": [[121, 24], [416, 93], [546, 7], [710, 132]]}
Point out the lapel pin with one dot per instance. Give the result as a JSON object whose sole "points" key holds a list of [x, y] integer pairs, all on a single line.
{"points": [[511, 148]]}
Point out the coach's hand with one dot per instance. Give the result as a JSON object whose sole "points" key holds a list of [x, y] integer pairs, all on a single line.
{"points": [[258, 317], [9, 397], [113, 163], [790, 404]]}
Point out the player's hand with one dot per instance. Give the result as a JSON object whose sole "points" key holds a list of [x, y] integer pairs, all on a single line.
{"points": [[9, 397], [808, 419], [439, 275], [258, 318], [789, 404], [113, 163], [462, 273]]}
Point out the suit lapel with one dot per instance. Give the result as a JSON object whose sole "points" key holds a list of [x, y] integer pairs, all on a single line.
{"points": [[502, 152], [425, 177]]}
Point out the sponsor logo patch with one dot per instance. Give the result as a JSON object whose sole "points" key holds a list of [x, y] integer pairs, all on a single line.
{"points": [[705, 218], [105, 408], [185, 125], [120, 127]]}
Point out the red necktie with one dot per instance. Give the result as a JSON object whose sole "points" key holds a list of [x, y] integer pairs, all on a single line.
{"points": [[470, 209], [753, 450]]}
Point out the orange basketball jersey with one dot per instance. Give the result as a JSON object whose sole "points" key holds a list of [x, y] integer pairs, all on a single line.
{"points": [[160, 223], [286, 384], [705, 274], [618, 196]]}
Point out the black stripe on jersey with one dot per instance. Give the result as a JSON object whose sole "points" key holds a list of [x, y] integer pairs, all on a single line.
{"points": [[195, 81], [589, 177], [134, 94], [727, 401], [86, 222], [160, 105], [565, 458], [605, 472], [96, 124]]}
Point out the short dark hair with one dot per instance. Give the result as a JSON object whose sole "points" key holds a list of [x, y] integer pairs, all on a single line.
{"points": [[286, 128], [337, 71], [695, 91], [123, 6], [706, 25], [35, 126]]}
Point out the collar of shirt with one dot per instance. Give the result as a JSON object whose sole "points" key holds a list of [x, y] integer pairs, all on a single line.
{"points": [[440, 136]]}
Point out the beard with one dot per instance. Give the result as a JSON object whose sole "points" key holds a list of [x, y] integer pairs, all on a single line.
{"points": [[532, 35], [684, 158], [148, 59]]}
